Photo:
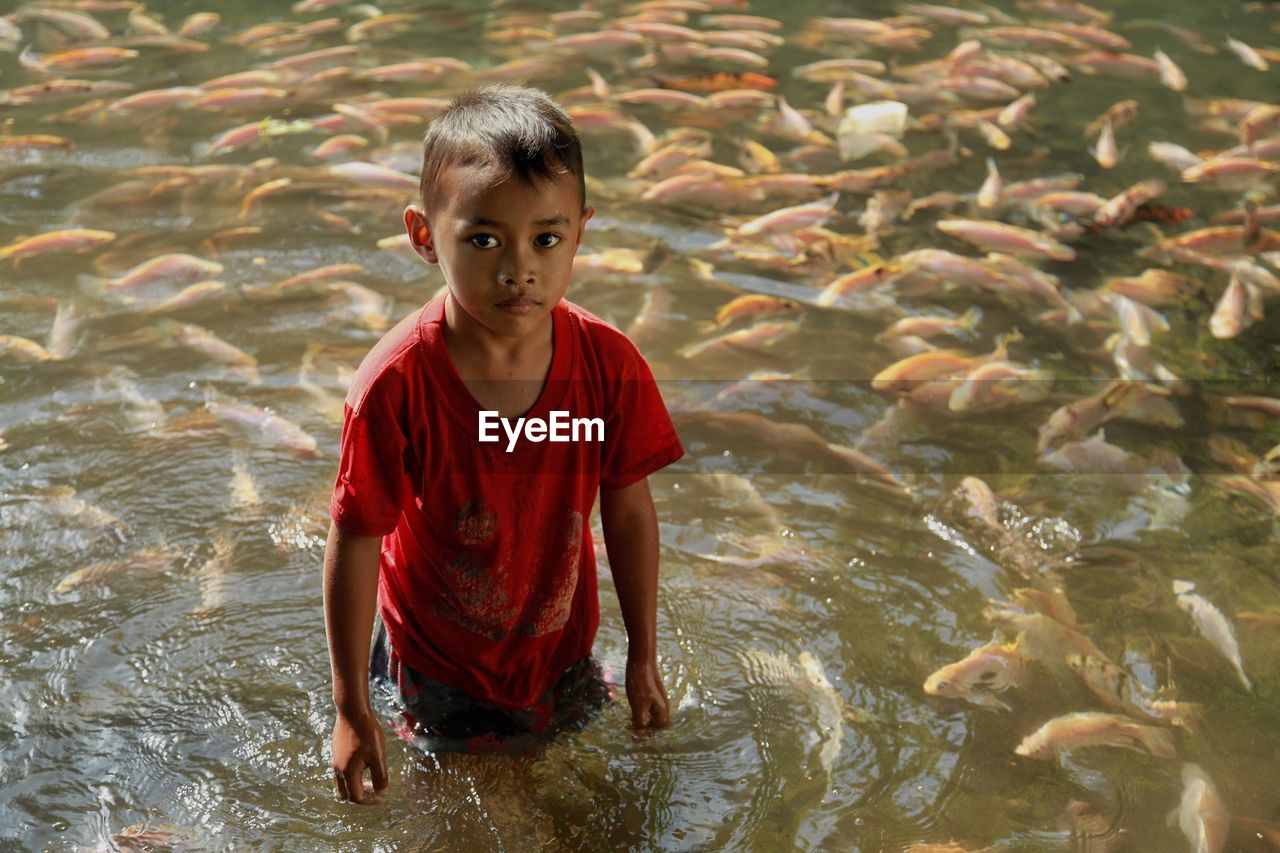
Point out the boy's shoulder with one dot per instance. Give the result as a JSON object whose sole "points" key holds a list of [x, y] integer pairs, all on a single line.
{"points": [[603, 336], [387, 358]]}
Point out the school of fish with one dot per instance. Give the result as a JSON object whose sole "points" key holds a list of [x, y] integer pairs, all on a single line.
{"points": [[839, 190]]}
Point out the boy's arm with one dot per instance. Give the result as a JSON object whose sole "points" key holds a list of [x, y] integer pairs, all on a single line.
{"points": [[350, 599], [631, 540]]}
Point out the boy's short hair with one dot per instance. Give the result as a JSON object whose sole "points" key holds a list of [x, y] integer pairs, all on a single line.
{"points": [[515, 130]]}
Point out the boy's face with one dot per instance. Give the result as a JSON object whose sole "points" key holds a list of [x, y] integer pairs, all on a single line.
{"points": [[506, 250]]}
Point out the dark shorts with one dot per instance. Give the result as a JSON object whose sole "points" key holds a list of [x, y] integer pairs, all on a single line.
{"points": [[441, 718]]}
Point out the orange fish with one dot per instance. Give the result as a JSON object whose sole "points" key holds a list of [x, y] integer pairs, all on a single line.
{"points": [[720, 81]]}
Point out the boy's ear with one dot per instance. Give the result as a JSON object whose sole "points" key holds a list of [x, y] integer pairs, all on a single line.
{"points": [[588, 211], [420, 237]]}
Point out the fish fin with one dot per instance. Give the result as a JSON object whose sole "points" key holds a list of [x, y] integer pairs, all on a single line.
{"points": [[1158, 741], [970, 318], [708, 327], [986, 700]]}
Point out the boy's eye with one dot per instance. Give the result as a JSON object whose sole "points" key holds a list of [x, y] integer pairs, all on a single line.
{"points": [[546, 241], [484, 241]]}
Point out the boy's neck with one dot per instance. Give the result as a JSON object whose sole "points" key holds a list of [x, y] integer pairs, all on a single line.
{"points": [[469, 341]]}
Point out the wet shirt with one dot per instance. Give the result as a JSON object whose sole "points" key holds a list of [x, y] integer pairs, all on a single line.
{"points": [[487, 577]]}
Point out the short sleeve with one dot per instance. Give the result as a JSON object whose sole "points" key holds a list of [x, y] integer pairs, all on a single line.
{"points": [[639, 437], [373, 475]]}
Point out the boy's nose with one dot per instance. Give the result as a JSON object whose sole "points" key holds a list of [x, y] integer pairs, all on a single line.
{"points": [[517, 270]]}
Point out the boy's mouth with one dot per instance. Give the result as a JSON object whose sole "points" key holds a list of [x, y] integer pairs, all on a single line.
{"points": [[519, 305]]}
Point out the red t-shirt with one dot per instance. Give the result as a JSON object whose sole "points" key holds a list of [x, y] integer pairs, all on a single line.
{"points": [[487, 577]]}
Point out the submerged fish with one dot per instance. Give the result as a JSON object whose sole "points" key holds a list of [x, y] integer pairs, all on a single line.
{"points": [[281, 431], [760, 335], [1203, 818], [992, 668], [1089, 728], [809, 679], [1213, 625], [149, 561], [995, 236]]}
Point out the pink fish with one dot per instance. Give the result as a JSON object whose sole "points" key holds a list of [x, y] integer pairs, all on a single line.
{"points": [[1006, 238]]}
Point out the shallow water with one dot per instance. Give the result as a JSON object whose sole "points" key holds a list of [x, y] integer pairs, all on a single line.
{"points": [[193, 699]]}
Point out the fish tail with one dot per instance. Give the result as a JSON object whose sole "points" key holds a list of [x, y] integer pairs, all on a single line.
{"points": [[1158, 741]]}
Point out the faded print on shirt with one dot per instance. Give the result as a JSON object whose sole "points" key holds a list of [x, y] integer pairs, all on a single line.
{"points": [[485, 596]]}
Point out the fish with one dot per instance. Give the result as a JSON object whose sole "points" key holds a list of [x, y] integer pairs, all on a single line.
{"points": [[190, 296], [929, 326], [1119, 114], [23, 349], [652, 318], [206, 342], [762, 334], [790, 218], [807, 677], [1230, 314], [64, 333], [1105, 152], [147, 561], [752, 305], [1052, 602], [76, 240], [1044, 638], [869, 277], [1120, 208], [988, 669], [909, 373], [1014, 115], [1213, 625], [1091, 728], [954, 268], [1006, 238], [719, 81], [143, 413], [280, 430], [365, 304], [1173, 156], [1119, 64], [1170, 74], [1230, 171], [1202, 816], [997, 385], [992, 189], [1110, 683], [1153, 287], [740, 493], [1246, 54], [68, 60]]}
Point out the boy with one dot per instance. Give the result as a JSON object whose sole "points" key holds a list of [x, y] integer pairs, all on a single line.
{"points": [[472, 542]]}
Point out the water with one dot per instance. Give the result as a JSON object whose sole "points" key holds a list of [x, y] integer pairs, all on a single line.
{"points": [[193, 700]]}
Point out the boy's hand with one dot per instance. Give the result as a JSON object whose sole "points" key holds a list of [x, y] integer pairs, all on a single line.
{"points": [[648, 698], [358, 743]]}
